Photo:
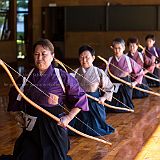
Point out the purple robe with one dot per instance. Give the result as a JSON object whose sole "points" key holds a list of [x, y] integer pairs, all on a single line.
{"points": [[46, 140], [153, 51], [122, 64], [49, 83], [143, 60], [146, 63]]}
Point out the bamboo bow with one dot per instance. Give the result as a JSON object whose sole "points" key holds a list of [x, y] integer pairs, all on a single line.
{"points": [[45, 111], [59, 62], [152, 78], [94, 98], [123, 81], [110, 106], [140, 46]]}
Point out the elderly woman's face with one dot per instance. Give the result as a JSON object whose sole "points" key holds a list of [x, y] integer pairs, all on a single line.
{"points": [[42, 58], [118, 49], [86, 59], [133, 47]]}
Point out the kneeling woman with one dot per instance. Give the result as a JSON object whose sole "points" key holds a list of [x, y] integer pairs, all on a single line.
{"points": [[91, 79], [42, 138], [144, 61], [120, 67]]}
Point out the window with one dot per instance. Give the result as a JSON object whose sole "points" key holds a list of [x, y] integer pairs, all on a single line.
{"points": [[4, 14], [22, 11]]}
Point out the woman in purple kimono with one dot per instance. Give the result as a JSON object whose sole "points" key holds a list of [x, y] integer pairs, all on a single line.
{"points": [[121, 66], [144, 61], [42, 138], [154, 53], [91, 79]]}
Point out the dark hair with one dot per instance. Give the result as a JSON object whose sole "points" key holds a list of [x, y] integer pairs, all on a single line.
{"points": [[150, 36], [118, 40], [45, 43], [132, 40], [86, 48]]}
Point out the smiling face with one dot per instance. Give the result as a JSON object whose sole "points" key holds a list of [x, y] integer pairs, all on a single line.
{"points": [[86, 59], [118, 49], [43, 58]]}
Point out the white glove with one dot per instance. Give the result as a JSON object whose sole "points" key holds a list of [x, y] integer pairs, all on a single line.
{"points": [[101, 100], [133, 84], [64, 121]]}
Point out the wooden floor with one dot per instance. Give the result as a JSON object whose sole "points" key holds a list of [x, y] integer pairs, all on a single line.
{"points": [[151, 149], [132, 130]]}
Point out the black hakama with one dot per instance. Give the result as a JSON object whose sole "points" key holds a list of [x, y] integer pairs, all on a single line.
{"points": [[139, 94], [123, 97], [47, 140], [94, 121]]}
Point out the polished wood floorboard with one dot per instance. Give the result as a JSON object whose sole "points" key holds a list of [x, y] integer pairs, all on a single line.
{"points": [[132, 130], [151, 149]]}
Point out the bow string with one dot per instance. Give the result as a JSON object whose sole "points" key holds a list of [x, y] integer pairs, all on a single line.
{"points": [[123, 81], [94, 98], [3, 64]]}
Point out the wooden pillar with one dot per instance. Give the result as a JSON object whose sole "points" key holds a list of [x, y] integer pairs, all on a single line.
{"points": [[12, 19]]}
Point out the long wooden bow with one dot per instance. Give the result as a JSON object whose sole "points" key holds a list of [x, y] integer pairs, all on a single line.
{"points": [[154, 79], [45, 111], [123, 81], [110, 106], [59, 62], [94, 98], [143, 48]]}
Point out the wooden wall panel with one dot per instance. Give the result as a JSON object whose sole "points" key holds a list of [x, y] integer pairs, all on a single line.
{"points": [[8, 47], [100, 41], [8, 51], [99, 2], [36, 7]]}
